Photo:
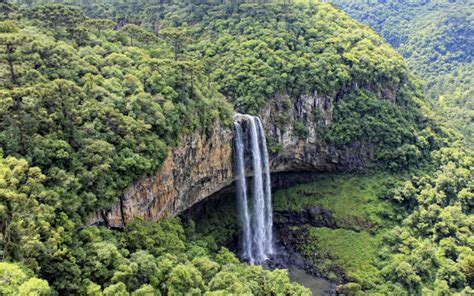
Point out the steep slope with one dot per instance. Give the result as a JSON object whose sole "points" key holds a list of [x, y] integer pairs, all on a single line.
{"points": [[89, 106], [436, 39], [331, 93], [271, 56], [93, 107]]}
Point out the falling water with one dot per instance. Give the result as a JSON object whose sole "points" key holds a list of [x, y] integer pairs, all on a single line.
{"points": [[242, 192], [258, 218], [257, 239], [267, 189]]}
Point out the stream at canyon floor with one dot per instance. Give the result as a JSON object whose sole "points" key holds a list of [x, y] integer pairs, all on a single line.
{"points": [[298, 271], [318, 286]]}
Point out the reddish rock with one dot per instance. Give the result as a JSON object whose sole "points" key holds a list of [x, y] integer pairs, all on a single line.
{"points": [[202, 164]]}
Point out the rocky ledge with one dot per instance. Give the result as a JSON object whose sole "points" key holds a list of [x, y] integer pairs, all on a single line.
{"points": [[311, 215], [202, 164]]}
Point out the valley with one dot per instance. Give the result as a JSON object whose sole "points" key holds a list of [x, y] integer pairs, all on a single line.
{"points": [[235, 148]]}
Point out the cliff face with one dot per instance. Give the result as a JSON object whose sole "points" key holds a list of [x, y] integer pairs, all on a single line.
{"points": [[293, 130], [202, 164], [198, 167]]}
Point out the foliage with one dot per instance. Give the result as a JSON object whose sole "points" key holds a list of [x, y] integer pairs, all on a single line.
{"points": [[355, 251], [26, 212], [401, 142], [396, 234], [96, 114], [352, 199], [434, 242], [17, 280], [91, 99], [151, 257], [217, 221], [348, 253], [434, 36], [453, 95], [301, 130], [158, 258], [260, 50], [256, 52]]}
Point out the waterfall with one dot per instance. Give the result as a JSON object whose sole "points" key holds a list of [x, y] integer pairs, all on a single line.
{"points": [[257, 236], [258, 218], [242, 192], [267, 189]]}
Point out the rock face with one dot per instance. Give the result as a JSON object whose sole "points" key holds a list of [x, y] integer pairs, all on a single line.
{"points": [[197, 168], [202, 164], [312, 215], [293, 130]]}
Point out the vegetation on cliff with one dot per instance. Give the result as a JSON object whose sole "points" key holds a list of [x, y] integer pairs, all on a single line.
{"points": [[91, 109], [394, 234], [436, 39], [91, 99], [256, 52]]}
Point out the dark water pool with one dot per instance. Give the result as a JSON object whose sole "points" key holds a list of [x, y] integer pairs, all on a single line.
{"points": [[318, 286]]}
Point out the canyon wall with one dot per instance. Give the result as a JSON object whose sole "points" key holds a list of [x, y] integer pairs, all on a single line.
{"points": [[203, 165]]}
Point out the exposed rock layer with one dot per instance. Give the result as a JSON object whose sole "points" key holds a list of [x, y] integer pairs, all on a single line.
{"points": [[311, 215], [202, 164]]}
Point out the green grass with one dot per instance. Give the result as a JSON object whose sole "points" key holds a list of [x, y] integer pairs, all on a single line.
{"points": [[355, 252], [361, 213], [362, 217], [354, 200]]}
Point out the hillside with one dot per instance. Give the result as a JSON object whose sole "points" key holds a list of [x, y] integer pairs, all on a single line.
{"points": [[259, 53], [390, 234], [436, 39], [94, 97]]}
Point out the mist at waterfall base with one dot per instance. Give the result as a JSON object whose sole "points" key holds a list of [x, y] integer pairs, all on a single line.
{"points": [[255, 205]]}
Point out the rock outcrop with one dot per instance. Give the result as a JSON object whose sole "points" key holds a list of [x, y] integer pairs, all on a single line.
{"points": [[199, 167], [312, 215], [293, 128], [202, 164]]}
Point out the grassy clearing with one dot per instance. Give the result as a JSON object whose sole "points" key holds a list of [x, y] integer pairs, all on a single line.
{"points": [[354, 200], [355, 252], [350, 252]]}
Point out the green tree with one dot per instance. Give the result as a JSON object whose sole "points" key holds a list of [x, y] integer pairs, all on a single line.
{"points": [[26, 211], [100, 24], [57, 15], [13, 44], [184, 279], [17, 280], [137, 33], [118, 289], [178, 37]]}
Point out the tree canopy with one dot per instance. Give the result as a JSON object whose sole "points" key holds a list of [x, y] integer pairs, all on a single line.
{"points": [[93, 96]]}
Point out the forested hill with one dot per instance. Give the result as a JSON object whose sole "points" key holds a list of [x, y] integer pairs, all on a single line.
{"points": [[93, 96], [95, 102], [436, 38], [258, 51]]}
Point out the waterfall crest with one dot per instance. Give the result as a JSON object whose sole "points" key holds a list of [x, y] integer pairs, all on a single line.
{"points": [[256, 214]]}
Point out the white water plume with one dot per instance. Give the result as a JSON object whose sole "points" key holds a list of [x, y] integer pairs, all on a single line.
{"points": [[256, 211]]}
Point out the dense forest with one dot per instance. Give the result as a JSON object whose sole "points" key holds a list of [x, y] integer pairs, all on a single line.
{"points": [[92, 95], [436, 39]]}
